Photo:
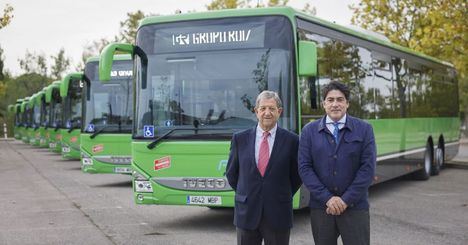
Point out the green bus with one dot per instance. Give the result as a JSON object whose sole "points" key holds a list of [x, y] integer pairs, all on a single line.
{"points": [[53, 133], [24, 120], [44, 120], [38, 114], [34, 117], [70, 91], [11, 113], [197, 76], [18, 124], [107, 118]]}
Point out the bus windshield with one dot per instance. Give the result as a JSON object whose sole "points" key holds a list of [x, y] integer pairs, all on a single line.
{"points": [[72, 105], [108, 105], [27, 116], [56, 110], [17, 117], [206, 74], [45, 115], [36, 119]]}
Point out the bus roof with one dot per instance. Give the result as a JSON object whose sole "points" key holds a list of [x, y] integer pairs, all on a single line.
{"points": [[66, 82], [32, 100], [116, 57], [23, 104], [11, 108], [39, 96], [291, 14]]}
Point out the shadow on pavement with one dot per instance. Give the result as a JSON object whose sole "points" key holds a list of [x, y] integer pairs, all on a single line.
{"points": [[123, 184]]}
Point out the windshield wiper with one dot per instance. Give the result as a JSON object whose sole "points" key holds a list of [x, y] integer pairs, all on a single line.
{"points": [[99, 131], [153, 144], [57, 128], [119, 130]]}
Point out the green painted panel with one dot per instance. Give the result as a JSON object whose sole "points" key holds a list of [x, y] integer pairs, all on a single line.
{"points": [[105, 145], [187, 159], [55, 140], [24, 103], [50, 88], [396, 135], [72, 141], [38, 98], [66, 82]]}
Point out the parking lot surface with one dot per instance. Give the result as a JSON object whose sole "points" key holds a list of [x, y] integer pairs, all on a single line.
{"points": [[47, 200]]}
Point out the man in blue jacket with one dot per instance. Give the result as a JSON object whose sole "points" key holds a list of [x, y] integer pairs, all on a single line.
{"points": [[337, 157], [262, 169]]}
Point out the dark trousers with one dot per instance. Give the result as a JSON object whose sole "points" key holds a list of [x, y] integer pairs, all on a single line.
{"points": [[263, 232], [352, 225]]}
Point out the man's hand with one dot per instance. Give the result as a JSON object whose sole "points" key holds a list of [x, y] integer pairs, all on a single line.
{"points": [[336, 206]]}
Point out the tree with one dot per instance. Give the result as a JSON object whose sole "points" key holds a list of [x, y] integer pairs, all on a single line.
{"points": [[129, 27], [34, 63], [61, 64], [436, 28], [233, 4], [226, 4], [127, 33], [7, 16], [2, 64]]}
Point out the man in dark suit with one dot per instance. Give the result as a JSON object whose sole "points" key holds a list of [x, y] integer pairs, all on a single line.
{"points": [[262, 169], [337, 157]]}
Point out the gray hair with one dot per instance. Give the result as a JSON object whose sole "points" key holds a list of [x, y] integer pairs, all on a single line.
{"points": [[266, 94]]}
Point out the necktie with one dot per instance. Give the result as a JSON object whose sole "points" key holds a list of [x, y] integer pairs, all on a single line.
{"points": [[264, 154], [336, 131]]}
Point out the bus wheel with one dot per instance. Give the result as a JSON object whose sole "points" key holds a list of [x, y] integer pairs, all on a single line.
{"points": [[425, 172], [439, 160]]}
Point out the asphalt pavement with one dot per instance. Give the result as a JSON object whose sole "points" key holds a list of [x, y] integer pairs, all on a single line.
{"points": [[47, 200]]}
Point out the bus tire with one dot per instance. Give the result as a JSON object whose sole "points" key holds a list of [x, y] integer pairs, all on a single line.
{"points": [[438, 160], [425, 172]]}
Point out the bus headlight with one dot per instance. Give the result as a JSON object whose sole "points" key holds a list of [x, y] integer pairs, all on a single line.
{"points": [[143, 186], [87, 161]]}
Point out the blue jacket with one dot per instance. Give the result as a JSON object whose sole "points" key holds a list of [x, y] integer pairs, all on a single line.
{"points": [[346, 170], [268, 197]]}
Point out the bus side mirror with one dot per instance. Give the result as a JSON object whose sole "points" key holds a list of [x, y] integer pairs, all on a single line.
{"points": [[66, 82], [307, 59], [107, 58]]}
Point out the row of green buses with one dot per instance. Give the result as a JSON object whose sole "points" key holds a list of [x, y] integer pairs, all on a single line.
{"points": [[82, 118], [194, 80]]}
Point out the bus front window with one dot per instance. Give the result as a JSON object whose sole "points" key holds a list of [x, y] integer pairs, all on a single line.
{"points": [[207, 74], [72, 106], [109, 104]]}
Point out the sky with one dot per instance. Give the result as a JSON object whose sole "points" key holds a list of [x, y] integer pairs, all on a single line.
{"points": [[46, 26]]}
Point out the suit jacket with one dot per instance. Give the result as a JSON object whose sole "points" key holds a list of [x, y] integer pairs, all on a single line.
{"points": [[268, 197], [344, 170]]}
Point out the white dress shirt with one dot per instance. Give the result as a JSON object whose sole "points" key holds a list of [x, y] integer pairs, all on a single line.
{"points": [[329, 122]]}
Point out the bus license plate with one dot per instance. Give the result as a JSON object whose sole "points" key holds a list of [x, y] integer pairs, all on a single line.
{"points": [[122, 170], [204, 200]]}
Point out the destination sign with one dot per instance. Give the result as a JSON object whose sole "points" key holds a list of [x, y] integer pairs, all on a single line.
{"points": [[121, 70], [195, 38], [124, 73]]}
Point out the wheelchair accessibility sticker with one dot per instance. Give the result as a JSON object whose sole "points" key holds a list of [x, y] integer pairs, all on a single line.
{"points": [[90, 128], [148, 131]]}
